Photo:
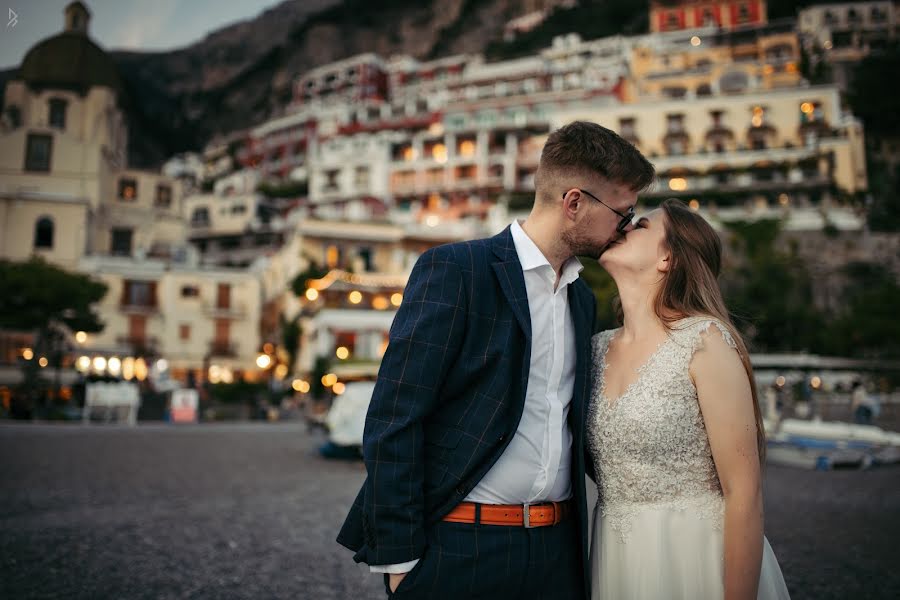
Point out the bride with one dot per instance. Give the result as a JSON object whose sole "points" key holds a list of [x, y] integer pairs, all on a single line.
{"points": [[674, 427]]}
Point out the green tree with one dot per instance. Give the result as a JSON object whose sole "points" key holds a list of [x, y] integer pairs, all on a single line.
{"points": [[867, 326], [291, 333], [605, 292], [51, 302], [769, 293]]}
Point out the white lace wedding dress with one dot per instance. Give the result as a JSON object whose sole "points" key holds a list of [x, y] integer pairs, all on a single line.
{"points": [[658, 527]]}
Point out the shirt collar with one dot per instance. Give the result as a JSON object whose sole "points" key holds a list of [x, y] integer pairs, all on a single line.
{"points": [[531, 257]]}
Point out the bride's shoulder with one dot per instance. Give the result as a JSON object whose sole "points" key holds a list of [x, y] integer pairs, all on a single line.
{"points": [[699, 328]]}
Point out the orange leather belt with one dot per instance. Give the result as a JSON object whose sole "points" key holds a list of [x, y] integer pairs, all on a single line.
{"points": [[517, 515]]}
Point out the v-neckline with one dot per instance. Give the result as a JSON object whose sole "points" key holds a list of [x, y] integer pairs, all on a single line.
{"points": [[613, 402]]}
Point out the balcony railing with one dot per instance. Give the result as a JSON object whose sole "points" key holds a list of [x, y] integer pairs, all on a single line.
{"points": [[232, 311], [223, 349], [139, 344]]}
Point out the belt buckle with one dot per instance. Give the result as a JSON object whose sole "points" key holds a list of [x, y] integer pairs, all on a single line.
{"points": [[526, 516]]}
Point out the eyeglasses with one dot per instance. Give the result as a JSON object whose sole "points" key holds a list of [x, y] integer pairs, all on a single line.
{"points": [[627, 218]]}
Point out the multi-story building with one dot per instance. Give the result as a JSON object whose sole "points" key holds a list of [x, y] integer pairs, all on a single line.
{"points": [[672, 15], [843, 34], [67, 190], [192, 318], [68, 195], [791, 145]]}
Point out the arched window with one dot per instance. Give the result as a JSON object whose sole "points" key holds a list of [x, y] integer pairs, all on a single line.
{"points": [[43, 233]]}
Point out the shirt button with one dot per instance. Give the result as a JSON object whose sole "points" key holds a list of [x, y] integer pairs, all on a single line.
{"points": [[502, 437]]}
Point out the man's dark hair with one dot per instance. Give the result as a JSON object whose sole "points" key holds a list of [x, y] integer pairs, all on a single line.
{"points": [[582, 146]]}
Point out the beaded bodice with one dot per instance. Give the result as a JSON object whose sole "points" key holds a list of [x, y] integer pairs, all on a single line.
{"points": [[649, 445]]}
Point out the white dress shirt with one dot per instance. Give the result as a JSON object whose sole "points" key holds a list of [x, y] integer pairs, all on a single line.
{"points": [[536, 465]]}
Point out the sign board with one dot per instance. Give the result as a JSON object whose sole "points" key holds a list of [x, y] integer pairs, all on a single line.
{"points": [[183, 406]]}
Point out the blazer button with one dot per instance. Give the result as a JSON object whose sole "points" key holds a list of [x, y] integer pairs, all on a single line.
{"points": [[502, 437]]}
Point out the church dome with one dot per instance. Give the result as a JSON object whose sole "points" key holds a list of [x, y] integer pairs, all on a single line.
{"points": [[70, 60]]}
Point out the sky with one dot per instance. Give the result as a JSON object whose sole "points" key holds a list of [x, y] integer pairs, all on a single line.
{"points": [[122, 24]]}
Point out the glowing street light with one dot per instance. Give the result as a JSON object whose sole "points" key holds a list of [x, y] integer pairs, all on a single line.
{"points": [[312, 294], [339, 388], [81, 337], [342, 353], [263, 361]]}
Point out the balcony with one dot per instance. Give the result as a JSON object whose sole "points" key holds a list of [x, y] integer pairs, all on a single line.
{"points": [[232, 311], [143, 308], [223, 349], [139, 345]]}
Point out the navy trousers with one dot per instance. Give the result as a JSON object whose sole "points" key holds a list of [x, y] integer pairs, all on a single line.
{"points": [[464, 560]]}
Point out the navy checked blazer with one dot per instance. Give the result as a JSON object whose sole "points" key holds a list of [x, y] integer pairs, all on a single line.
{"points": [[450, 393]]}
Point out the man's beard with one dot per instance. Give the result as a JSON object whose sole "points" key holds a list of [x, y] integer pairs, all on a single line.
{"points": [[582, 246]]}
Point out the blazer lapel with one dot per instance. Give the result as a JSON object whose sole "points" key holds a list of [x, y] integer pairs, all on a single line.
{"points": [[509, 273]]}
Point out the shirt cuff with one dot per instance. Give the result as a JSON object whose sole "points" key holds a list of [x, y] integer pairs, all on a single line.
{"points": [[394, 569]]}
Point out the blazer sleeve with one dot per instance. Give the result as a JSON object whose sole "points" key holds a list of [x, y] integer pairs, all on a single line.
{"points": [[424, 341]]}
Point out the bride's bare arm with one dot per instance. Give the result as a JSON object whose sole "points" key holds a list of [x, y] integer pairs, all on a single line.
{"points": [[723, 390]]}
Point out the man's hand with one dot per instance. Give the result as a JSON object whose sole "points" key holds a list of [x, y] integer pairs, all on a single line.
{"points": [[394, 580]]}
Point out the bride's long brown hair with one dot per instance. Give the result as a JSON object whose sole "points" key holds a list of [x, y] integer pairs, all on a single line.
{"points": [[690, 287]]}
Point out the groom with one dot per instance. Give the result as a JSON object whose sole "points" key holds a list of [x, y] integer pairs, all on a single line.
{"points": [[474, 439]]}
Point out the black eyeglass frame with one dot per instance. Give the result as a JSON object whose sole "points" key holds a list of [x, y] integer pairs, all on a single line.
{"points": [[627, 218]]}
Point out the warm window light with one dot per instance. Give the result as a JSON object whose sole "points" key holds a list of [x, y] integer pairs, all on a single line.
{"points": [[768, 69], [339, 388], [329, 380], [439, 152], [215, 374], [342, 353], [409, 153], [263, 361], [696, 41], [281, 371], [299, 385], [312, 294], [678, 184], [806, 108], [81, 337], [467, 148], [757, 118], [783, 199], [114, 365], [780, 381], [227, 375], [128, 368], [355, 297], [694, 204], [268, 348], [396, 299], [432, 220], [99, 363], [380, 303], [27, 354], [43, 361], [815, 382], [83, 363], [140, 369]]}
